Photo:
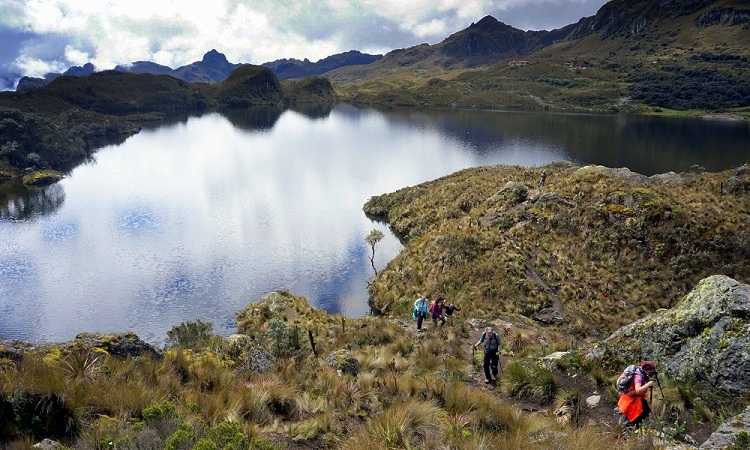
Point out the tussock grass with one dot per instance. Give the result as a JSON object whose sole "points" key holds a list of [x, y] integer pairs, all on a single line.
{"points": [[413, 424]]}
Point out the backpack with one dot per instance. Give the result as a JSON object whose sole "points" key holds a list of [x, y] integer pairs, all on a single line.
{"points": [[626, 379]]}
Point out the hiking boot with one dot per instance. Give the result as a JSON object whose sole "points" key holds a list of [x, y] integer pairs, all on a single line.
{"points": [[486, 380]]}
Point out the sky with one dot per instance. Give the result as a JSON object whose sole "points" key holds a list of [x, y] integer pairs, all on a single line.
{"points": [[41, 36]]}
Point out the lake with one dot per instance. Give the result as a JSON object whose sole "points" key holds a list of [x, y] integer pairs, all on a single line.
{"points": [[198, 218]]}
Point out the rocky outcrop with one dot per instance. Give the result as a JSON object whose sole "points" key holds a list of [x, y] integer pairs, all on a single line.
{"points": [[120, 345], [596, 172], [732, 434], [739, 183], [724, 16], [706, 336], [512, 193], [259, 360]]}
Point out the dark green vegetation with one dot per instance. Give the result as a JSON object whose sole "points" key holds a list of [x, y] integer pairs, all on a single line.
{"points": [[593, 250]]}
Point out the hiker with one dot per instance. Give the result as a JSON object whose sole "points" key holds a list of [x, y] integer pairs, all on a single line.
{"points": [[420, 311], [632, 402], [543, 181], [492, 346], [436, 311], [449, 310]]}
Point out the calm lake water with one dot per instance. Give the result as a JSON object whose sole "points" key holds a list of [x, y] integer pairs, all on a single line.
{"points": [[196, 219]]}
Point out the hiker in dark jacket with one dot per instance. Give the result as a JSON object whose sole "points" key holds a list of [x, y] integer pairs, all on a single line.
{"points": [[543, 180], [633, 403], [492, 346], [448, 310]]}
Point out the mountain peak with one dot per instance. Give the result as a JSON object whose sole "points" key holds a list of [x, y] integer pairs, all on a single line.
{"points": [[214, 57]]}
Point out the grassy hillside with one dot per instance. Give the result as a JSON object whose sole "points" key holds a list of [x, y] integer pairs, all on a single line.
{"points": [[367, 383], [592, 250], [632, 56]]}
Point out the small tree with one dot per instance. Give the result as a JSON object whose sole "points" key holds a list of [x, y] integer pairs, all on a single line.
{"points": [[373, 238]]}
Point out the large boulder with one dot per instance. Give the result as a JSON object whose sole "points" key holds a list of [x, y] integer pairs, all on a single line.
{"points": [[592, 173], [739, 183], [706, 336], [731, 434]]}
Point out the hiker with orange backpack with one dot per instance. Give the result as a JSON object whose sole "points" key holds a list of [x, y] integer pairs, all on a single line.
{"points": [[633, 385]]}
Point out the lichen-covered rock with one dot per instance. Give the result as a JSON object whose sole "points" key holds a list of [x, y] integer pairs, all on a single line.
{"points": [[554, 197], [730, 433], [344, 361], [259, 360], [512, 193], [120, 345], [706, 335], [596, 172], [669, 178], [739, 183]]}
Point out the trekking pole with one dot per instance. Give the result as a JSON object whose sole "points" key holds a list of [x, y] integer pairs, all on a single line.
{"points": [[658, 383]]}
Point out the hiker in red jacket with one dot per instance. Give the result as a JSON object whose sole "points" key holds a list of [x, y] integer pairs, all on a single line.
{"points": [[436, 312], [633, 403]]}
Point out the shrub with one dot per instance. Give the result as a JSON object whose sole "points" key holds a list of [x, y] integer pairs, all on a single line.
{"points": [[182, 438], [227, 436], [193, 335], [158, 411], [43, 415]]}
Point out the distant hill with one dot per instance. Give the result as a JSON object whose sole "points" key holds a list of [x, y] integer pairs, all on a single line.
{"points": [[633, 55], [214, 68], [294, 68], [58, 124], [75, 71]]}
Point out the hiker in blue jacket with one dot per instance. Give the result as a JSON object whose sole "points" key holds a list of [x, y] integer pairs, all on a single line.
{"points": [[420, 310], [492, 346]]}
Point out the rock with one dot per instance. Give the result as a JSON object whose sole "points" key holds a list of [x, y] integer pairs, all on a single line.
{"points": [[259, 360], [593, 401], [732, 432], [48, 444], [344, 361], [742, 170], [596, 172], [736, 185], [706, 336], [669, 178], [548, 362], [512, 193], [554, 197], [120, 345], [549, 316]]}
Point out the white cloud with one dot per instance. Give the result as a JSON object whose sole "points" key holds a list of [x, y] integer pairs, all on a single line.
{"points": [[75, 56], [434, 27], [176, 32]]}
